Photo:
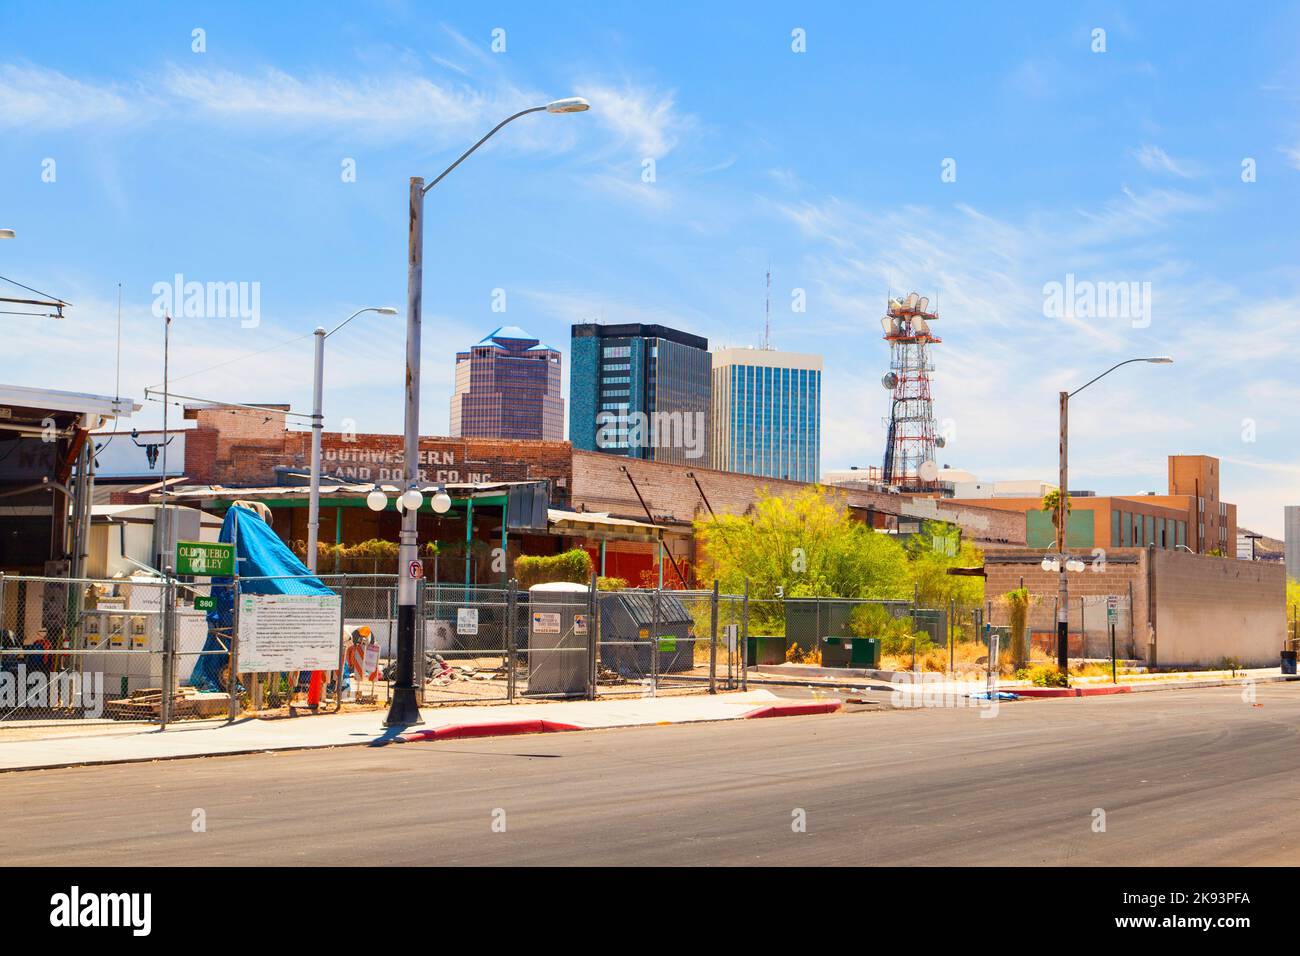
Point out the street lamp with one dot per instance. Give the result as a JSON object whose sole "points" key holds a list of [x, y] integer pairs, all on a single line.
{"points": [[409, 500], [313, 510], [403, 709], [1063, 562], [8, 234]]}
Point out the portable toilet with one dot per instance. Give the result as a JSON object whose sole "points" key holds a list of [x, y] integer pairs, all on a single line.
{"points": [[559, 636]]}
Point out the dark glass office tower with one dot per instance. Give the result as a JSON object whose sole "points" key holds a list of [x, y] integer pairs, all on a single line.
{"points": [[642, 391]]}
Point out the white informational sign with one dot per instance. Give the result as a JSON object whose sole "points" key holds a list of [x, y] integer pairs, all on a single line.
{"points": [[289, 632], [1112, 608], [466, 620], [546, 622], [580, 624], [372, 658]]}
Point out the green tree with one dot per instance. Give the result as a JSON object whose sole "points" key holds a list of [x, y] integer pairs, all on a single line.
{"points": [[1292, 608], [805, 545], [930, 554]]}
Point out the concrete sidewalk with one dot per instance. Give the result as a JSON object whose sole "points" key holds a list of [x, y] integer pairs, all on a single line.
{"points": [[907, 683], [210, 738]]}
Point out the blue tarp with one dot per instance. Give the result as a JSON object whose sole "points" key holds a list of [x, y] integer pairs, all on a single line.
{"points": [[259, 554]]}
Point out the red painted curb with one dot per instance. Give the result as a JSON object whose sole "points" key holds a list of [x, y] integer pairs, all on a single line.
{"points": [[1071, 691], [795, 710], [501, 728]]}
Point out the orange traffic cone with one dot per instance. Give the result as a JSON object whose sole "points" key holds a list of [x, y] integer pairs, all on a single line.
{"points": [[315, 689]]}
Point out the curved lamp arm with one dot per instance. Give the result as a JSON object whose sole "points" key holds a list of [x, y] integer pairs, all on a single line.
{"points": [[465, 155], [381, 309], [1157, 360]]}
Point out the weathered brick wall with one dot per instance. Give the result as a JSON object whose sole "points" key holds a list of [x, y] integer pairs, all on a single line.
{"points": [[600, 485], [241, 452], [1123, 574]]}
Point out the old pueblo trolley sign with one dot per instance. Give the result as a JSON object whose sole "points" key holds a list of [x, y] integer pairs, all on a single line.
{"points": [[206, 558]]}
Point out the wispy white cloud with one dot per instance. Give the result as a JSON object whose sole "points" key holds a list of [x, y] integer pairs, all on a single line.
{"points": [[1002, 361], [33, 97], [1156, 160], [401, 104], [643, 120]]}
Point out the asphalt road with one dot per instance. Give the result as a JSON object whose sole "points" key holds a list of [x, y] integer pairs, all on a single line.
{"points": [[1183, 777]]}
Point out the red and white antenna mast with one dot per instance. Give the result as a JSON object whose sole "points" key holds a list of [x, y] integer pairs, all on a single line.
{"points": [[910, 439]]}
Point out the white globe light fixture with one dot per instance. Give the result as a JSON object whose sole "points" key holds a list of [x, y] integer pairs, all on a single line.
{"points": [[412, 499], [1046, 564], [441, 502], [376, 500]]}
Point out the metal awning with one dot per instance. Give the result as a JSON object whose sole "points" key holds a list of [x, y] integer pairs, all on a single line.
{"points": [[600, 525]]}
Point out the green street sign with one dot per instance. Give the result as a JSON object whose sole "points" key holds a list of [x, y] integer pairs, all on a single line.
{"points": [[205, 603], [205, 558]]}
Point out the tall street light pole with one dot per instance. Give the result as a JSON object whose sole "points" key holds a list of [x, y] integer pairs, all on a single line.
{"points": [[1062, 512], [317, 422], [403, 710]]}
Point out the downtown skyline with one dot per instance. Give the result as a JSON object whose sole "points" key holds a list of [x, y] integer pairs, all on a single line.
{"points": [[1070, 166]]}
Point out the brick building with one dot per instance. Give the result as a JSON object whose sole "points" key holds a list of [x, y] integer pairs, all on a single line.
{"points": [[1191, 517], [234, 452]]}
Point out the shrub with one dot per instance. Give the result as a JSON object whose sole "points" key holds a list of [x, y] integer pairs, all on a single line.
{"points": [[1042, 675], [1018, 604], [573, 565], [610, 584], [874, 620], [794, 654]]}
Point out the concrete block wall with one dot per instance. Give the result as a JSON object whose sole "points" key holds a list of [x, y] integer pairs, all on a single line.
{"points": [[1209, 608], [1188, 610]]}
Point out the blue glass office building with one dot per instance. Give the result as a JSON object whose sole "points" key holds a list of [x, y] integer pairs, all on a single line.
{"points": [[767, 413]]}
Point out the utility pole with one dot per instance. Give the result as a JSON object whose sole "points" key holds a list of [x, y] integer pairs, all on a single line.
{"points": [[403, 709], [313, 506], [1062, 513]]}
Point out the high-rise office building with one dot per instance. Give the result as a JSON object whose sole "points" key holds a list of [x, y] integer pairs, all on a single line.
{"points": [[508, 386], [641, 391], [767, 413]]}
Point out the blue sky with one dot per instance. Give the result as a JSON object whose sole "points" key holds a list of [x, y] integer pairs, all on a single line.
{"points": [[1122, 165]]}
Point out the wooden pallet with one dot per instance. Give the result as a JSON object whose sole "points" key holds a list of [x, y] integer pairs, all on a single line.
{"points": [[146, 704]]}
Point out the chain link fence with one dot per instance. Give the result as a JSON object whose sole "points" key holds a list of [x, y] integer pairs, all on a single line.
{"points": [[103, 650]]}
